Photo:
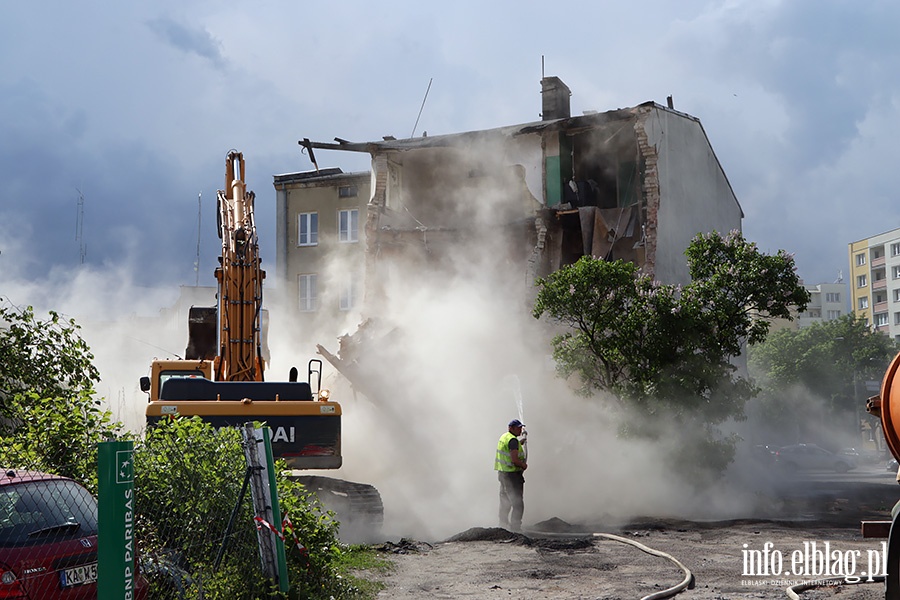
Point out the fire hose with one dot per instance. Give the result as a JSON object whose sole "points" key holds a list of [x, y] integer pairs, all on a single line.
{"points": [[685, 583], [793, 592], [688, 576]]}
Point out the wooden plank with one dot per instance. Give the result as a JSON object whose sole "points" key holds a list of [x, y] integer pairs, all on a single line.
{"points": [[876, 529]]}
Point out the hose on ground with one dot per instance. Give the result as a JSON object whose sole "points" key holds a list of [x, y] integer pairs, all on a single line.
{"points": [[793, 592], [666, 593]]}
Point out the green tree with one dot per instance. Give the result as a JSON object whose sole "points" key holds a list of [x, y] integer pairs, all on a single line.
{"points": [[829, 362], [667, 350], [648, 342], [50, 418]]}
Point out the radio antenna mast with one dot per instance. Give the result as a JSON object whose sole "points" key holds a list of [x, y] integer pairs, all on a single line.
{"points": [[79, 226], [421, 107], [199, 222]]}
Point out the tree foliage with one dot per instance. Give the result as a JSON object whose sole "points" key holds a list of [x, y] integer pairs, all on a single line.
{"points": [[44, 356], [829, 361], [658, 345], [49, 415]]}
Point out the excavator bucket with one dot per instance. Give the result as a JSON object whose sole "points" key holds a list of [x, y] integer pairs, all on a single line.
{"points": [[202, 329]]}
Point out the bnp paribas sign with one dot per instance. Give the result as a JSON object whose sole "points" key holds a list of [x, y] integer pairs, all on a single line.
{"points": [[115, 545]]}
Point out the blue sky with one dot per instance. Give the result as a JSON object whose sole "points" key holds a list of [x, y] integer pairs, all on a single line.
{"points": [[135, 105]]}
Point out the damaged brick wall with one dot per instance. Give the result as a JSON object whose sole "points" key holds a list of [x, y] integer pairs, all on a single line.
{"points": [[649, 188]]}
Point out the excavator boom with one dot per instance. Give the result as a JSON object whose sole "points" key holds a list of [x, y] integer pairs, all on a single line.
{"points": [[221, 377], [240, 280]]}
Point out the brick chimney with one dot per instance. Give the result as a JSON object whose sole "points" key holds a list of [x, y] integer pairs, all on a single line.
{"points": [[555, 99]]}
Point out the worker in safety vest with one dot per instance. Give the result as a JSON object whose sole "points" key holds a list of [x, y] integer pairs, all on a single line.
{"points": [[510, 466]]}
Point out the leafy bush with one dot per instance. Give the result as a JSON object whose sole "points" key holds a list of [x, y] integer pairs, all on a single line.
{"points": [[188, 480], [50, 419]]}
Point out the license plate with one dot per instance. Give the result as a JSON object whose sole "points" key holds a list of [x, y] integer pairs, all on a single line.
{"points": [[79, 575]]}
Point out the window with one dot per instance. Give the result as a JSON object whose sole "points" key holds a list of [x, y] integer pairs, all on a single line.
{"points": [[863, 303], [895, 249], [861, 281], [895, 271], [40, 510], [348, 191], [307, 229], [897, 295], [897, 318], [348, 228], [834, 314], [860, 259], [308, 296], [881, 319], [348, 293], [832, 297]]}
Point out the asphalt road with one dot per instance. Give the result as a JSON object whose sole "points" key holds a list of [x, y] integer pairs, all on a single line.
{"points": [[870, 473]]}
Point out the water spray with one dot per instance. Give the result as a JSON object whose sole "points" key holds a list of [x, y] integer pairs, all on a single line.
{"points": [[511, 383]]}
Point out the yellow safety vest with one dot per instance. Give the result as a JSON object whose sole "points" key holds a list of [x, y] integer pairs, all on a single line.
{"points": [[503, 461]]}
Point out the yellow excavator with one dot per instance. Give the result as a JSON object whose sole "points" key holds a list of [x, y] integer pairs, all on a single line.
{"points": [[221, 377]]}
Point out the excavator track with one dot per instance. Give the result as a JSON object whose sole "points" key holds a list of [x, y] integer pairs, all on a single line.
{"points": [[357, 506]]}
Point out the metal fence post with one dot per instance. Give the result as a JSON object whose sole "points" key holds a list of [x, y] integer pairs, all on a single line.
{"points": [[263, 490]]}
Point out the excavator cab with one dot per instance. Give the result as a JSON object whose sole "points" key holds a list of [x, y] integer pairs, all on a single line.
{"points": [[306, 427]]}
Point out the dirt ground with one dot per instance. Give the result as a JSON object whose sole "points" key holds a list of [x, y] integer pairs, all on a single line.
{"points": [[726, 559]]}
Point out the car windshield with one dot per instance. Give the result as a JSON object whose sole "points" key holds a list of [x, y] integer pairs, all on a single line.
{"points": [[32, 512]]}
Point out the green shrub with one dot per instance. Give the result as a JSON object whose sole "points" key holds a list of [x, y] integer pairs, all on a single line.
{"points": [[188, 481]]}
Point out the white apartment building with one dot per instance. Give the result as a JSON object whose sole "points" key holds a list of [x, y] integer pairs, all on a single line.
{"points": [[827, 302]]}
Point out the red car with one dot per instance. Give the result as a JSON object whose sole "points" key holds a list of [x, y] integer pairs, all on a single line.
{"points": [[48, 538]]}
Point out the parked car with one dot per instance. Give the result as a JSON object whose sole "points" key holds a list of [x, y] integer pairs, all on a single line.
{"points": [[763, 453], [48, 538], [809, 457]]}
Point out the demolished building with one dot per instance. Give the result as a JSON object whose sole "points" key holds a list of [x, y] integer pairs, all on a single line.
{"points": [[634, 183]]}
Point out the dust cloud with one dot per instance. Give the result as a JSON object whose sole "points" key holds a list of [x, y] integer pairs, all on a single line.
{"points": [[452, 341], [458, 357], [122, 320], [425, 433]]}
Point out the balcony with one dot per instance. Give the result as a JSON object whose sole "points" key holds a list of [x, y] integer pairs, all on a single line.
{"points": [[879, 284], [880, 307], [878, 262]]}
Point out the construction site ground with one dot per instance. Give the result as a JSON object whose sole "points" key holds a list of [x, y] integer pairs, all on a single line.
{"points": [[819, 516]]}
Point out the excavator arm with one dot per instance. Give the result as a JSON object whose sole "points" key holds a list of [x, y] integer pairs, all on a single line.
{"points": [[221, 377], [240, 280], [230, 334]]}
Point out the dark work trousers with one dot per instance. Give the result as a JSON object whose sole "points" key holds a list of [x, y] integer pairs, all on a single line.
{"points": [[512, 488]]}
